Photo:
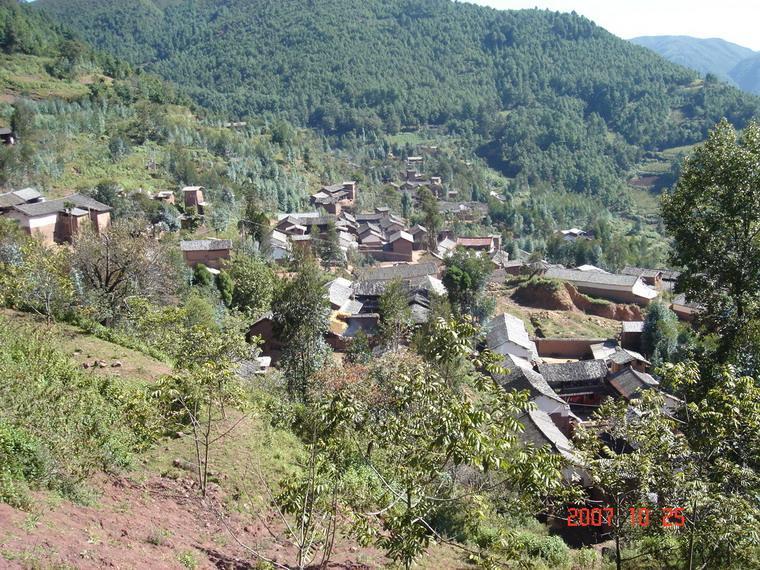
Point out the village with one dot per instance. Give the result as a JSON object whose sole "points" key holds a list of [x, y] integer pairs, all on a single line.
{"points": [[568, 377]]}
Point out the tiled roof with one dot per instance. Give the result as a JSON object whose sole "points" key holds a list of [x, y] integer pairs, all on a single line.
{"points": [[640, 271], [507, 328], [54, 206], [339, 290], [28, 194], [403, 271], [590, 277], [205, 244], [589, 371], [540, 430], [475, 241], [629, 382], [523, 378], [401, 235]]}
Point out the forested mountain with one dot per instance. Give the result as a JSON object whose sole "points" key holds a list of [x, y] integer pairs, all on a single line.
{"points": [[733, 63], [551, 97]]}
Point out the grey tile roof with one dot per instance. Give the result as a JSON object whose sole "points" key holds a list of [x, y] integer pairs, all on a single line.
{"points": [[28, 194], [641, 271], [406, 271], [540, 430], [339, 291], [205, 244], [591, 277], [53, 206], [624, 356], [585, 371], [10, 199], [629, 382], [507, 328], [5, 131], [521, 378], [401, 235]]}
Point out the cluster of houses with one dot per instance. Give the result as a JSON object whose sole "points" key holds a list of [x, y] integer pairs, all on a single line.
{"points": [[54, 221], [567, 393]]}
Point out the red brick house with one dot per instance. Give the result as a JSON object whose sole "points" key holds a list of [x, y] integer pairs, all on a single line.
{"points": [[210, 252]]}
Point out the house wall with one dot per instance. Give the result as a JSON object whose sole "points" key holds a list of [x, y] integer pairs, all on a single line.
{"points": [[510, 347], [631, 340], [42, 226], [610, 293], [270, 346], [403, 247], [571, 348], [214, 259], [101, 221], [551, 406], [68, 226]]}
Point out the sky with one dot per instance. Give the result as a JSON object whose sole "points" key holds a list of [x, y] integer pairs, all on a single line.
{"points": [[732, 20]]}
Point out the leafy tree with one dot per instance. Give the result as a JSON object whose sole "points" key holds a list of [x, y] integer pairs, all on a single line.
{"points": [[660, 336], [631, 458], [201, 275], [359, 350], [301, 312], [22, 120], [253, 285], [714, 219], [41, 282], [113, 266], [226, 286], [465, 279], [395, 315], [254, 222], [431, 217], [328, 246]]}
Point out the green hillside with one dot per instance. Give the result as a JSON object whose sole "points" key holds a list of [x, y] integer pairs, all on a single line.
{"points": [[747, 74], [547, 97]]}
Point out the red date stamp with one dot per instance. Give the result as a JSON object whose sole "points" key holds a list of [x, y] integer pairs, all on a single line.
{"points": [[638, 516]]}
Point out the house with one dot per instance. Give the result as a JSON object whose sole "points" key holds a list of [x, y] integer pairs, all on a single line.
{"points": [[210, 252], [487, 244], [631, 334], [335, 197], [618, 358], [193, 198], [402, 244], [588, 267], [628, 383], [419, 280], [264, 329], [339, 291], [581, 383], [652, 277], [616, 288], [506, 334], [7, 136], [165, 196], [574, 233], [58, 221], [17, 198], [686, 310], [540, 431], [420, 235], [500, 259], [521, 377], [279, 247]]}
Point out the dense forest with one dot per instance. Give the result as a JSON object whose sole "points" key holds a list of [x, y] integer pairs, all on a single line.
{"points": [[547, 96]]}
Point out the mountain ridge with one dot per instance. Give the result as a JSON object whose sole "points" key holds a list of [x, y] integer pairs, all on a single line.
{"points": [[729, 61]]}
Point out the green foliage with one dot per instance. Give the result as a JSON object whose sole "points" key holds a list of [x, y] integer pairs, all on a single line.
{"points": [[714, 219], [554, 96], [57, 425], [226, 287], [252, 285], [395, 315], [660, 336], [301, 312], [465, 279], [201, 276], [359, 350]]}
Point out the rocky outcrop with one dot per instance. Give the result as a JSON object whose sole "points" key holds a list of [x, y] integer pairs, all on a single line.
{"points": [[558, 296]]}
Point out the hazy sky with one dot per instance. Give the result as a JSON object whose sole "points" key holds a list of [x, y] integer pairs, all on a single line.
{"points": [[732, 20]]}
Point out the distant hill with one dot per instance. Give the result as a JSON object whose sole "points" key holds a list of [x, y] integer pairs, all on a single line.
{"points": [[746, 74], [730, 62]]}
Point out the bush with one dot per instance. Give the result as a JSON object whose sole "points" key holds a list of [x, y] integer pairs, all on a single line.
{"points": [[550, 549], [57, 425]]}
